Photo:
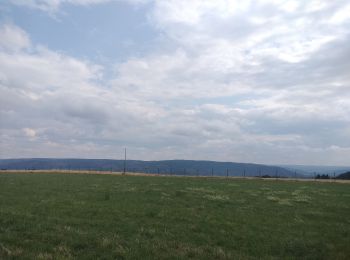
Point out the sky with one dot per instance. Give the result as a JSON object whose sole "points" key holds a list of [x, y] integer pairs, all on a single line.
{"points": [[264, 81]]}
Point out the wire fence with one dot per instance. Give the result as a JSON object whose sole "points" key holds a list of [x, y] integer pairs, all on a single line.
{"points": [[171, 171]]}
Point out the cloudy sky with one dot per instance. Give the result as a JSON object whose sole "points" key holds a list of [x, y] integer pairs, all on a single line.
{"points": [[264, 81]]}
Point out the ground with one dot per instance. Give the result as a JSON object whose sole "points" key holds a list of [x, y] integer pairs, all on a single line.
{"points": [[74, 216]]}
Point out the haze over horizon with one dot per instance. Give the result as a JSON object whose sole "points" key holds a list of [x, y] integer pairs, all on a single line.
{"points": [[263, 81]]}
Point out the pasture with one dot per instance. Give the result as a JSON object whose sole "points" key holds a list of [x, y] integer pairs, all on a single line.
{"points": [[90, 216]]}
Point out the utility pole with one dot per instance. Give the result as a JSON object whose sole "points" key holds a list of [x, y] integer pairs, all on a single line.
{"points": [[124, 171]]}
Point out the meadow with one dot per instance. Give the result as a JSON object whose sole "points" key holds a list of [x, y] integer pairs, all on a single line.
{"points": [[92, 216]]}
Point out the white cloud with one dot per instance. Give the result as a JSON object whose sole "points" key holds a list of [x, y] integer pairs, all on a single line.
{"points": [[47, 71], [341, 16], [13, 38], [31, 133]]}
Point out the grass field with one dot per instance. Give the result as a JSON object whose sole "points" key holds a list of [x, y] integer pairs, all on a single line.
{"points": [[77, 216]]}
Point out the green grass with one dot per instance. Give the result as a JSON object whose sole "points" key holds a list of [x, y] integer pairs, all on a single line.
{"points": [[62, 216]]}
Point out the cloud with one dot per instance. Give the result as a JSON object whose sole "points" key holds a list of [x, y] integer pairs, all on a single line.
{"points": [[60, 101], [253, 81], [29, 132], [280, 64], [13, 38]]}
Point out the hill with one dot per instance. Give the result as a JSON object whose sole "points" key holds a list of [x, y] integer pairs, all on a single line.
{"points": [[312, 170], [179, 167], [344, 176]]}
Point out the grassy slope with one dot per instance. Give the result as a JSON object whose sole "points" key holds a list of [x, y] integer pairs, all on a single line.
{"points": [[89, 216]]}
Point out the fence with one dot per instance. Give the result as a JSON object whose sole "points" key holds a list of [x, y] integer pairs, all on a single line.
{"points": [[258, 172]]}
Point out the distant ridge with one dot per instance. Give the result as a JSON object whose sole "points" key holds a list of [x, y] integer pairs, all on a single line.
{"points": [[179, 167], [311, 170], [344, 176]]}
